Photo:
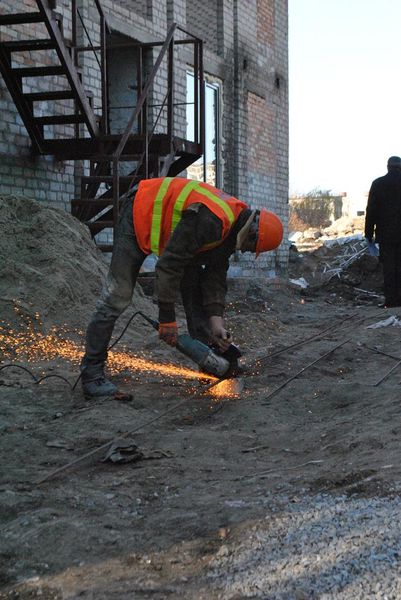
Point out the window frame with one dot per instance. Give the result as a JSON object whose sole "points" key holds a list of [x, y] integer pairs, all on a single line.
{"points": [[211, 84]]}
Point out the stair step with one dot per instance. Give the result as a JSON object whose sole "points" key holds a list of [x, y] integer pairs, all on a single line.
{"points": [[59, 95], [106, 178], [91, 202], [39, 71], [105, 247], [101, 158], [20, 46], [59, 120], [18, 18], [99, 225]]}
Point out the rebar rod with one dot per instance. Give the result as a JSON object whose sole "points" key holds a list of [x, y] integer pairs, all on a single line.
{"points": [[280, 387], [305, 341], [277, 352], [388, 373], [383, 353], [107, 444]]}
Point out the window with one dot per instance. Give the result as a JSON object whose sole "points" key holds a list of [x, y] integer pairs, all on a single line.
{"points": [[207, 168]]}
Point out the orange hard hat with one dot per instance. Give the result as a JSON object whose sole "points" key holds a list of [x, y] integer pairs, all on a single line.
{"points": [[270, 232]]}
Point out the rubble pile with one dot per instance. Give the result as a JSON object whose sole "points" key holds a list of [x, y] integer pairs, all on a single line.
{"points": [[343, 229], [336, 259]]}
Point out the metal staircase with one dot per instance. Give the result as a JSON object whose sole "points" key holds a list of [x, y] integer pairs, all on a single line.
{"points": [[58, 108], [65, 77]]}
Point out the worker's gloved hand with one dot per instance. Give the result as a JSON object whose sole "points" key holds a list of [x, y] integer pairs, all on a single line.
{"points": [[168, 332], [220, 336]]}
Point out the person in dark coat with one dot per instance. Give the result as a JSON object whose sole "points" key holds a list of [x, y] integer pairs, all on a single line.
{"points": [[194, 228], [383, 225]]}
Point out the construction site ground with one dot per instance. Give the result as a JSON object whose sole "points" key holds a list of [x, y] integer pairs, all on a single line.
{"points": [[211, 496]]}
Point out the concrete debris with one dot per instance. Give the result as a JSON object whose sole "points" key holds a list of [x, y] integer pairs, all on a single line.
{"points": [[342, 231], [301, 282], [345, 261], [392, 321]]}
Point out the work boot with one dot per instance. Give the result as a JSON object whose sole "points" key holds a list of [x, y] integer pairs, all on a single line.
{"points": [[100, 386], [94, 382]]}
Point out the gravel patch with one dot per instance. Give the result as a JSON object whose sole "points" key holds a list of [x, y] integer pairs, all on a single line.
{"points": [[315, 547]]}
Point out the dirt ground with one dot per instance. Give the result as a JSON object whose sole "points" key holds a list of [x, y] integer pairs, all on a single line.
{"points": [[319, 412]]}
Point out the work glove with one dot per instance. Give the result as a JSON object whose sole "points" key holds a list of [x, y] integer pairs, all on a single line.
{"points": [[372, 248], [168, 332]]}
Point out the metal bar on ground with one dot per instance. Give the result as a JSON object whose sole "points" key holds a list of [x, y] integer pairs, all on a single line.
{"points": [[280, 387], [277, 352], [387, 374], [107, 444], [305, 341], [383, 353]]}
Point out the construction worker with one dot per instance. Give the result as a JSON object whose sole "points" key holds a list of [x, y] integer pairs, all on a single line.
{"points": [[383, 224], [193, 228]]}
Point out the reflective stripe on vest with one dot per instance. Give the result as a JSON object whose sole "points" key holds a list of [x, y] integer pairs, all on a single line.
{"points": [[157, 215], [178, 208]]}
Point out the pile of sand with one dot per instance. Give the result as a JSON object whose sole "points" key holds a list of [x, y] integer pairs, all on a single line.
{"points": [[49, 265]]}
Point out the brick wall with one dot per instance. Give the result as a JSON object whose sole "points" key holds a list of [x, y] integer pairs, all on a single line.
{"points": [[202, 20], [140, 7], [266, 22], [20, 173], [245, 52]]}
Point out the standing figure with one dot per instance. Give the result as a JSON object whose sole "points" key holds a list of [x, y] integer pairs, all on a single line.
{"points": [[383, 224]]}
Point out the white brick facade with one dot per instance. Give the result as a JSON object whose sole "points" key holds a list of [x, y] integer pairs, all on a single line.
{"points": [[245, 51]]}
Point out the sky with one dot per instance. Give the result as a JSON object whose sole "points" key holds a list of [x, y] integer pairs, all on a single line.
{"points": [[344, 91]]}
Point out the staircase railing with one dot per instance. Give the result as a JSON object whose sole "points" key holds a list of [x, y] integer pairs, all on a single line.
{"points": [[77, 17], [135, 114], [139, 112]]}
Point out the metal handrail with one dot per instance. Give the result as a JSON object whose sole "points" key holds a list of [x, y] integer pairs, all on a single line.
{"points": [[104, 29], [148, 140], [134, 116], [143, 96]]}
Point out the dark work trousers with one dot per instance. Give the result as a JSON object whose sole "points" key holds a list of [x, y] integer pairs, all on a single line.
{"points": [[116, 294], [390, 257], [192, 299]]}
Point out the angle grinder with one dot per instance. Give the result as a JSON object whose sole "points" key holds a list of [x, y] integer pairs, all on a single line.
{"points": [[219, 365]]}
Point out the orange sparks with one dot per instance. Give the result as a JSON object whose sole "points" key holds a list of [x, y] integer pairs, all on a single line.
{"points": [[32, 345], [228, 388], [123, 360]]}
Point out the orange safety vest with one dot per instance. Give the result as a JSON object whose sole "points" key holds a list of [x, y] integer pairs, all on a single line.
{"points": [[159, 204]]}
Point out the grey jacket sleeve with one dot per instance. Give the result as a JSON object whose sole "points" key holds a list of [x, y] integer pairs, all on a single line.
{"points": [[198, 227]]}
